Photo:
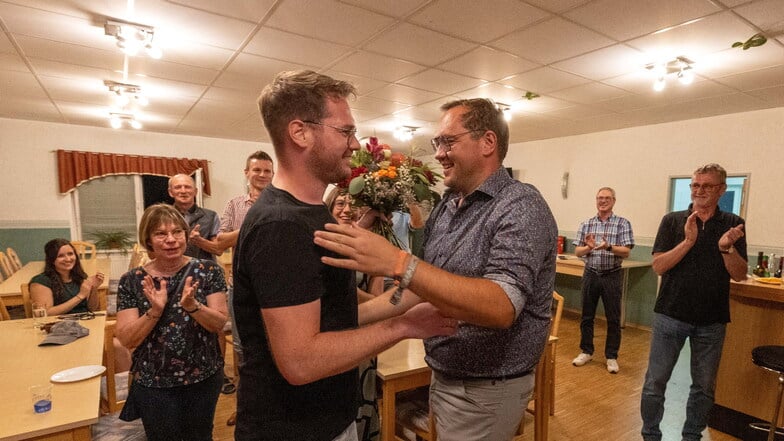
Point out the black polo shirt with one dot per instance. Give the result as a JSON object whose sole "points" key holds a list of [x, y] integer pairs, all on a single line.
{"points": [[697, 289]]}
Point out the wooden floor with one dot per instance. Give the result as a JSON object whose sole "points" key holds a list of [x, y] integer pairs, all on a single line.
{"points": [[591, 404]]}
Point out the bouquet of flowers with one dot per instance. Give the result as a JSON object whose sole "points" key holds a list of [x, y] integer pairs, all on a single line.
{"points": [[388, 182]]}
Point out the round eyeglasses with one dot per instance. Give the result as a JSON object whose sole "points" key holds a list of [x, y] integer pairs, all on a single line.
{"points": [[445, 141], [349, 133]]}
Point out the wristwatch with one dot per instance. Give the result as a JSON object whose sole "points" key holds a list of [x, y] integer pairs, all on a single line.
{"points": [[729, 250], [194, 310]]}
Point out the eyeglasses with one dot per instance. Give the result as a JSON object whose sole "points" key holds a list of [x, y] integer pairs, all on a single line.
{"points": [[161, 236], [707, 187], [350, 134], [445, 141]]}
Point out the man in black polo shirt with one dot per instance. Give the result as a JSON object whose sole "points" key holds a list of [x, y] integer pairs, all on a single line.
{"points": [[696, 253]]}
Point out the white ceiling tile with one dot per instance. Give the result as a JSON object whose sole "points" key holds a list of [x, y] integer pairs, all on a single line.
{"points": [[550, 44], [362, 84], [19, 84], [557, 5], [82, 90], [172, 71], [756, 79], [328, 20], [628, 103], [445, 83], [395, 8], [604, 63], [71, 53], [494, 91], [474, 20], [403, 94], [676, 92], [736, 60], [544, 80], [286, 46], [579, 112], [370, 65], [625, 19], [5, 45], [250, 10], [193, 54], [10, 61], [488, 64], [705, 36], [419, 45], [539, 105], [367, 103], [589, 93], [428, 111], [767, 15], [28, 107], [773, 95], [252, 72], [32, 22]]}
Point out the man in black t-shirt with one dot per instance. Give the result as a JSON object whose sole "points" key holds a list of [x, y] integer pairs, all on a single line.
{"points": [[696, 253], [297, 317]]}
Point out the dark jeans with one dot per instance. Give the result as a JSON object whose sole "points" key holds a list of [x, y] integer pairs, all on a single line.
{"points": [[607, 287], [179, 413]]}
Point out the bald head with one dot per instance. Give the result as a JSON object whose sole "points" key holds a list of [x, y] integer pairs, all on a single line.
{"points": [[183, 190]]}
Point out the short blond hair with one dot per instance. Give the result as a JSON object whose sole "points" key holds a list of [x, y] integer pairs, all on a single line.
{"points": [[155, 216]]}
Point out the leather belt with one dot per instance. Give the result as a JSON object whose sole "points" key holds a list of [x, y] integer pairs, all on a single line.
{"points": [[603, 272]]}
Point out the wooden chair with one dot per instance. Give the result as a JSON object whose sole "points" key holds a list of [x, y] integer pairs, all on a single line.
{"points": [[555, 323], [138, 256], [85, 250], [3, 311], [28, 306], [110, 401], [5, 265], [16, 263]]}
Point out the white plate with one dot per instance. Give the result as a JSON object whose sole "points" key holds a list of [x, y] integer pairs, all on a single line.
{"points": [[77, 374]]}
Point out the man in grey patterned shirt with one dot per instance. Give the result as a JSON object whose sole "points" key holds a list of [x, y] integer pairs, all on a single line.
{"points": [[490, 250]]}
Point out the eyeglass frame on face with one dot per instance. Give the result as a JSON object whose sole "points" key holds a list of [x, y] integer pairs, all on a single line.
{"points": [[348, 133], [709, 188], [446, 141], [161, 236]]}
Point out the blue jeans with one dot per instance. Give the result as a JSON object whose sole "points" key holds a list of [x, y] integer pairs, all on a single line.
{"points": [[667, 340], [607, 287]]}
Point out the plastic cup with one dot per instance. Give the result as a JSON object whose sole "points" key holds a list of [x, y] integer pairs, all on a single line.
{"points": [[42, 397]]}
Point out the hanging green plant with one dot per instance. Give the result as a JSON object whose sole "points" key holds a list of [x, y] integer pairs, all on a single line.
{"points": [[530, 95], [754, 41]]}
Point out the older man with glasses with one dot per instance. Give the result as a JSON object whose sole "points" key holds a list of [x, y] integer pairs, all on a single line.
{"points": [[489, 261], [696, 253]]}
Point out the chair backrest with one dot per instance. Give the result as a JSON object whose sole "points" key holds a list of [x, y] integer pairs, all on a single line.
{"points": [[110, 400], [138, 256], [14, 259], [558, 300], [85, 250], [5, 265], [28, 306], [3, 311]]}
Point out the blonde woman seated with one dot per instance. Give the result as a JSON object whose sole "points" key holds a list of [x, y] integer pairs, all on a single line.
{"points": [[65, 288]]}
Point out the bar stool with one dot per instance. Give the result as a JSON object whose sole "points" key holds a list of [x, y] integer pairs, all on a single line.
{"points": [[770, 358]]}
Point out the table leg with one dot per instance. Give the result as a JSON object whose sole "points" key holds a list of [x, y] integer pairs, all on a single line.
{"points": [[388, 411]]}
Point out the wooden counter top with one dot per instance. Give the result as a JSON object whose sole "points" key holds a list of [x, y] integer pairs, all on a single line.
{"points": [[750, 288]]}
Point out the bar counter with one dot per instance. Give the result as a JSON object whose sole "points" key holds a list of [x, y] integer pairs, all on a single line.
{"points": [[744, 391]]}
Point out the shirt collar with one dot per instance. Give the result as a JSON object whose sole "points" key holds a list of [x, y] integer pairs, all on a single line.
{"points": [[491, 187]]}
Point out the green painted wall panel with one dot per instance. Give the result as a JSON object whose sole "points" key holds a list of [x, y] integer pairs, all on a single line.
{"points": [[29, 242]]}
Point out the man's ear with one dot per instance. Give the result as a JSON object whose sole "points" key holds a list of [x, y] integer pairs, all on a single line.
{"points": [[489, 143], [299, 134]]}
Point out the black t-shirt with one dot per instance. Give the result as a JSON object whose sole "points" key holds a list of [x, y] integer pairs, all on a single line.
{"points": [[277, 264], [697, 289]]}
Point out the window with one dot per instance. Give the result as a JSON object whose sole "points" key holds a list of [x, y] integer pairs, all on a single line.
{"points": [[116, 203], [733, 200]]}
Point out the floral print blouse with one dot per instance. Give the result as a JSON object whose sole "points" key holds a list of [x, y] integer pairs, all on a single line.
{"points": [[178, 351]]}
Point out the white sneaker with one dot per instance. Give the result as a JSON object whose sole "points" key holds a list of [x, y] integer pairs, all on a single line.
{"points": [[582, 359], [612, 366]]}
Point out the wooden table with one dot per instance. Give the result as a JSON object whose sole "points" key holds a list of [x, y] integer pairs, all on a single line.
{"points": [[24, 363], [743, 388], [402, 367], [10, 288], [572, 265]]}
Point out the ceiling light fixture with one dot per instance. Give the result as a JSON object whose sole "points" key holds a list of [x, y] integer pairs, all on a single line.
{"points": [[116, 120], [405, 133], [680, 66], [123, 93], [132, 38]]}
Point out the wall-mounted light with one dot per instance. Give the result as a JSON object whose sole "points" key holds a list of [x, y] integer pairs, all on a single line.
{"points": [[680, 66], [116, 120], [133, 37], [405, 133], [124, 93]]}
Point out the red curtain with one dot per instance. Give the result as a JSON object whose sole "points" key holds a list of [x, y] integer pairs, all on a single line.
{"points": [[74, 168]]}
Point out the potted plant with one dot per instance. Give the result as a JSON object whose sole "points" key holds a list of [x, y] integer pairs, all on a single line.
{"points": [[113, 240]]}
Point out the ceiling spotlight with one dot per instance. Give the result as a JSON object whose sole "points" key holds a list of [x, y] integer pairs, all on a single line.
{"points": [[133, 37], [405, 133], [680, 66], [123, 93], [116, 120]]}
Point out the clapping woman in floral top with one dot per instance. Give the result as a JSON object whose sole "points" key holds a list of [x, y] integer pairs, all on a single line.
{"points": [[172, 310]]}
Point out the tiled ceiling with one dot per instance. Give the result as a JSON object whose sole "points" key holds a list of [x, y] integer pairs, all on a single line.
{"points": [[585, 58]]}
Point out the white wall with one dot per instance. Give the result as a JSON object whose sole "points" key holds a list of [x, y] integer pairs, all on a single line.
{"points": [[638, 162], [28, 166]]}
